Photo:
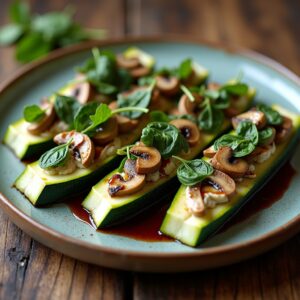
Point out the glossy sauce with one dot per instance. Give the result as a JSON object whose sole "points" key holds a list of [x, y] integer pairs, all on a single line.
{"points": [[146, 226]]}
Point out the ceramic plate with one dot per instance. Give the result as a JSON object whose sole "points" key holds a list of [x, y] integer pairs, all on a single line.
{"points": [[57, 228]]}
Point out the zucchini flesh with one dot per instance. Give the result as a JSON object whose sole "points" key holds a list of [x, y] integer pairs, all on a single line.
{"points": [[26, 145], [41, 188], [192, 230]]}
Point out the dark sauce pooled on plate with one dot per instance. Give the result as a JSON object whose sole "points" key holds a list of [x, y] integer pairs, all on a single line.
{"points": [[145, 227]]}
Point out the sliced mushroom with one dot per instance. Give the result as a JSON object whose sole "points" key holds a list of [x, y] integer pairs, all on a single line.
{"points": [[127, 63], [284, 130], [194, 201], [261, 153], [255, 116], [140, 72], [82, 91], [168, 85], [224, 161], [186, 106], [148, 161], [125, 124], [81, 146], [188, 129], [213, 86], [119, 186], [106, 132], [113, 105], [221, 182], [46, 122], [209, 152]]}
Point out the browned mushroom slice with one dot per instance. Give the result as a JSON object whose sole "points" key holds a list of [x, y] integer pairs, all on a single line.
{"points": [[81, 146], [127, 185], [194, 201], [213, 86], [82, 91], [46, 122], [188, 129], [125, 124], [148, 161], [186, 106], [113, 105], [209, 152], [225, 162], [127, 63], [167, 85], [284, 130], [106, 132], [255, 116], [140, 72], [219, 181]]}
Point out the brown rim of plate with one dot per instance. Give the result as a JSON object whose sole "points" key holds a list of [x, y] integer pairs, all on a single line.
{"points": [[270, 239]]}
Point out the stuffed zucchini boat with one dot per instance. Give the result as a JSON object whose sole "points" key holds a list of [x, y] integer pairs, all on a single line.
{"points": [[232, 171], [149, 171]]}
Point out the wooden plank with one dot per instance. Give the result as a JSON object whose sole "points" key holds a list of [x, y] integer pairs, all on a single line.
{"points": [[28, 269]]}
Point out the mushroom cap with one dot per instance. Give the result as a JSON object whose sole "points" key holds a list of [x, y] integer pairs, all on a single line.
{"points": [[106, 132], [168, 85], [255, 116], [284, 130], [127, 63], [188, 129], [125, 124], [223, 161], [46, 122], [140, 72], [148, 159], [222, 182], [81, 145], [186, 106], [209, 152], [82, 91]]}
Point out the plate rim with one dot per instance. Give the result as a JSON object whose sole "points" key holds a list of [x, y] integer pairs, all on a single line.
{"points": [[250, 248]]}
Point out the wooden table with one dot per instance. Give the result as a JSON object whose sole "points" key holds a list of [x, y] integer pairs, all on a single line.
{"points": [[31, 271]]}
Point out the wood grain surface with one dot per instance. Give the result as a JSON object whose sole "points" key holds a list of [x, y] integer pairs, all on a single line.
{"points": [[28, 270]]}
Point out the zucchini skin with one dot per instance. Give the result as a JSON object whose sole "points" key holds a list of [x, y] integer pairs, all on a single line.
{"points": [[199, 234]]}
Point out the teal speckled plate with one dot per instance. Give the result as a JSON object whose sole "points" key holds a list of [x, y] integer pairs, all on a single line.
{"points": [[57, 228]]}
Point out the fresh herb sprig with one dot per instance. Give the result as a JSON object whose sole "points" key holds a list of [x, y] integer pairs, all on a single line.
{"points": [[33, 113], [191, 172], [37, 35]]}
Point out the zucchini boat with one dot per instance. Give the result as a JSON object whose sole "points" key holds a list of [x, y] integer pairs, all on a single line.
{"points": [[108, 208], [26, 145], [198, 211]]}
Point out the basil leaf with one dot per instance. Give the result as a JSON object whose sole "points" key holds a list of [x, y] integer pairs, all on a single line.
{"points": [[210, 119], [138, 98], [54, 157], [31, 47], [238, 89], [9, 34], [82, 117], [185, 69], [147, 80], [33, 113], [222, 102], [194, 171], [265, 135], [102, 114], [166, 138], [244, 148], [66, 108], [273, 116], [158, 116], [19, 12], [248, 131], [104, 88]]}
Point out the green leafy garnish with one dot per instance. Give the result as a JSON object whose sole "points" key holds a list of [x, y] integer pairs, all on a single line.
{"points": [[37, 35], [185, 69], [139, 98], [264, 135], [191, 172], [188, 93], [165, 137], [273, 116], [55, 157], [82, 117], [33, 113], [238, 88], [248, 131], [66, 108], [159, 116]]}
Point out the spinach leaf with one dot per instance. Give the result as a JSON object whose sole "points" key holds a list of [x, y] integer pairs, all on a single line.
{"points": [[185, 69], [238, 89], [147, 80], [10, 33], [66, 108], [264, 135], [273, 116], [222, 101], [104, 88], [55, 157], [124, 80], [210, 118], [248, 131], [158, 116], [166, 138], [139, 98], [82, 117], [194, 171], [19, 12], [33, 113]]}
